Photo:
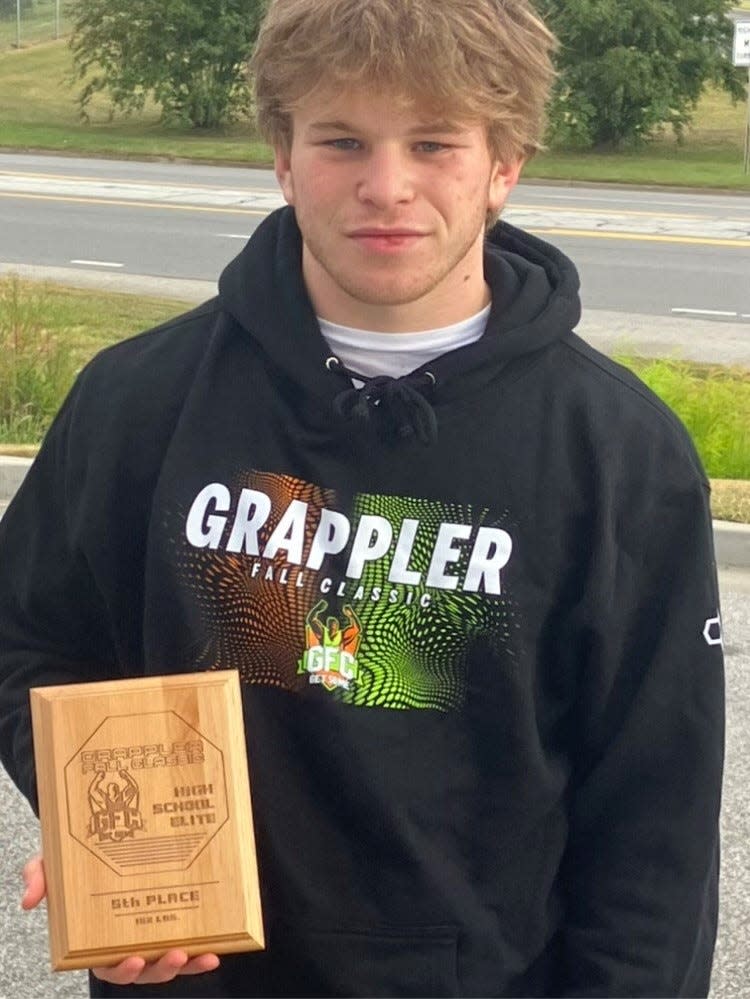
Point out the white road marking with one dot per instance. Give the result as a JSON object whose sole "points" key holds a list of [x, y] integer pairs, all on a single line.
{"points": [[705, 312], [119, 181], [96, 263], [545, 207], [623, 199], [165, 194], [231, 235]]}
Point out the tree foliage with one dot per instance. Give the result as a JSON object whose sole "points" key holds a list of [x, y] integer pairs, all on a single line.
{"points": [[189, 55], [626, 69]]}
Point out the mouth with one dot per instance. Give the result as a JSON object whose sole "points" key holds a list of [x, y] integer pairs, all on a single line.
{"points": [[385, 233], [387, 240]]}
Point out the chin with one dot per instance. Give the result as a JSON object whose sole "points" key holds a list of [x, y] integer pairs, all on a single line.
{"points": [[382, 293]]}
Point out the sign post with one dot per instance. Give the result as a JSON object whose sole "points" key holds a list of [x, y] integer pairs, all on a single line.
{"points": [[741, 57]]}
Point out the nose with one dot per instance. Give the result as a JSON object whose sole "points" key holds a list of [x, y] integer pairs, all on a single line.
{"points": [[386, 179]]}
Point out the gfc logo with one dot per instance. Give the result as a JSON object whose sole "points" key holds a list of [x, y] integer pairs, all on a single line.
{"points": [[115, 814], [330, 657]]}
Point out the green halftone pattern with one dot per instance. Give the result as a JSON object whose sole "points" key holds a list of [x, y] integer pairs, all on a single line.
{"points": [[413, 656]]}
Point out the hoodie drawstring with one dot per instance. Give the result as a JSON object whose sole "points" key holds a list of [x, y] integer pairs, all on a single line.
{"points": [[399, 402]]}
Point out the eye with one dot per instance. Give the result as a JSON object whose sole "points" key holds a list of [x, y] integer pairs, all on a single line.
{"points": [[346, 145], [433, 147]]}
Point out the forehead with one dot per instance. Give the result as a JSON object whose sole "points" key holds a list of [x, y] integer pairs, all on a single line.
{"points": [[357, 106]]}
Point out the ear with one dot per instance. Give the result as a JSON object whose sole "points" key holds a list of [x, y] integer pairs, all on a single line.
{"points": [[504, 178], [282, 165]]}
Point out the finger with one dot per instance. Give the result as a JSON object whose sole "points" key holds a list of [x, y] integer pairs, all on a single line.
{"points": [[201, 964], [124, 973], [174, 963], [136, 971], [35, 883]]}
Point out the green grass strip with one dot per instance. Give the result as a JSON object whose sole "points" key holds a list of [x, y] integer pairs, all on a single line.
{"points": [[713, 402]]}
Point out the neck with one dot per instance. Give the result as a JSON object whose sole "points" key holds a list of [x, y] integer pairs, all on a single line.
{"points": [[409, 318]]}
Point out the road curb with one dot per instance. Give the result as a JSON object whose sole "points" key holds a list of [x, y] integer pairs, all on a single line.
{"points": [[731, 541], [12, 473], [732, 545], [187, 290]]}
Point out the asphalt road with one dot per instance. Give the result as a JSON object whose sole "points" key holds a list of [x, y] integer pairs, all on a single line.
{"points": [[24, 957], [668, 254]]}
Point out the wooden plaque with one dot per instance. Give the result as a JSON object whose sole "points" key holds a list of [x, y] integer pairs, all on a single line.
{"points": [[146, 822]]}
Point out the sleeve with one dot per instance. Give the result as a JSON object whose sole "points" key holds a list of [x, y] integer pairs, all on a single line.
{"points": [[641, 866], [53, 622]]}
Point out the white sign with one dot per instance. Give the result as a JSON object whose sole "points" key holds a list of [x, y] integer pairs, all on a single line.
{"points": [[741, 53]]}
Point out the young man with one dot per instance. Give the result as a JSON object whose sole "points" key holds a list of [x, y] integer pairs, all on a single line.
{"points": [[511, 786]]}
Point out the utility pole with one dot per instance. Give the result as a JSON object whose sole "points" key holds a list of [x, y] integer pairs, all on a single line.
{"points": [[741, 57], [18, 24]]}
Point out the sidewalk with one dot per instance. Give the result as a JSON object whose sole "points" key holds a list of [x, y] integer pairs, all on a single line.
{"points": [[732, 541]]}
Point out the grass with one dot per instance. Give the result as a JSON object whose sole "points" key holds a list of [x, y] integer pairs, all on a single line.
{"points": [[710, 156], [39, 112], [47, 332], [34, 365], [730, 500], [714, 404], [37, 25]]}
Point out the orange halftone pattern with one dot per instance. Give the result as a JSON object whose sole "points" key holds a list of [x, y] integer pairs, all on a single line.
{"points": [[254, 627]]}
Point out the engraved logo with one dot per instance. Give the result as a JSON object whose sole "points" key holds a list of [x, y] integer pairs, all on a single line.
{"points": [[146, 807], [114, 807]]}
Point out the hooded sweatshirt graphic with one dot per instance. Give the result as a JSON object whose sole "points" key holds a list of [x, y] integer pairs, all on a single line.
{"points": [[470, 609]]}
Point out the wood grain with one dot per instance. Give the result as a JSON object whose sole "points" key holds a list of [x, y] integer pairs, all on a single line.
{"points": [[146, 818]]}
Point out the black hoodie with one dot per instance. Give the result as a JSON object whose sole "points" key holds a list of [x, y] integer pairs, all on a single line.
{"points": [[474, 611]]}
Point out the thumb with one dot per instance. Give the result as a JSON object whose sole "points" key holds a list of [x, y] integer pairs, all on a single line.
{"points": [[35, 882]]}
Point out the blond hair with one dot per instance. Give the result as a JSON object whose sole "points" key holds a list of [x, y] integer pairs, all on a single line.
{"points": [[484, 61]]}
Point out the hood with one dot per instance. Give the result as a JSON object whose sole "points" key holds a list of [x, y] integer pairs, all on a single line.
{"points": [[535, 303]]}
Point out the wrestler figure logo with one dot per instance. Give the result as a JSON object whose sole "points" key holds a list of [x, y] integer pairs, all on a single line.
{"points": [[146, 793], [114, 808], [330, 656]]}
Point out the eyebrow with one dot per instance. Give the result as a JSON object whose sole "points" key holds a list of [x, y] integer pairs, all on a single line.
{"points": [[431, 128]]}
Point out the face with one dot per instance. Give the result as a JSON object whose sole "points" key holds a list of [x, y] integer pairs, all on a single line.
{"points": [[392, 205]]}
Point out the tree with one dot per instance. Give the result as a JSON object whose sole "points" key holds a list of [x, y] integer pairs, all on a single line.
{"points": [[189, 55], [626, 69]]}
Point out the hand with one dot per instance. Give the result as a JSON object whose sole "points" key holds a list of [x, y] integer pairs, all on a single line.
{"points": [[133, 970], [137, 971], [36, 883]]}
